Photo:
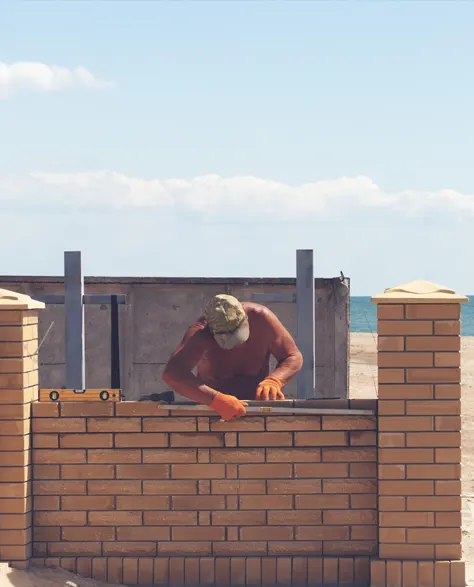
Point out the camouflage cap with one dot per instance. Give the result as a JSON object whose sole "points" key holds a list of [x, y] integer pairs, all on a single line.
{"points": [[227, 321]]}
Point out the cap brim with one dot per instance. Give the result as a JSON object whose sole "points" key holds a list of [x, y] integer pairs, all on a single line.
{"points": [[238, 337]]}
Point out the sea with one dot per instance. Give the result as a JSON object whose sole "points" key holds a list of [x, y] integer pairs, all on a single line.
{"points": [[363, 316]]}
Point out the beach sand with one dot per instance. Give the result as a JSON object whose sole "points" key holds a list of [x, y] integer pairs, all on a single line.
{"points": [[363, 383]]}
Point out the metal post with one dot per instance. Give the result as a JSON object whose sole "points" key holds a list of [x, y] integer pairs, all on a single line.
{"points": [[305, 322], [74, 315], [114, 344]]}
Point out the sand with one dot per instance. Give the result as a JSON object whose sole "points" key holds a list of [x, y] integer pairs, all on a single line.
{"points": [[363, 383]]}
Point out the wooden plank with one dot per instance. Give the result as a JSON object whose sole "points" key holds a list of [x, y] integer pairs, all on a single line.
{"points": [[305, 320], [341, 342], [74, 313]]}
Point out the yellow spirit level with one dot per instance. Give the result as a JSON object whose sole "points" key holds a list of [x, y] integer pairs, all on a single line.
{"points": [[79, 395]]}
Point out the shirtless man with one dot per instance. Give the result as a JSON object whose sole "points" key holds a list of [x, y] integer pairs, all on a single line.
{"points": [[230, 347]]}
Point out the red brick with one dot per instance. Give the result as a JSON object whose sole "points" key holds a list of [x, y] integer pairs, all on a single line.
{"points": [[142, 471], [405, 359], [150, 502], [294, 517], [51, 456], [141, 440], [238, 455], [293, 455], [150, 533], [169, 487], [434, 439], [447, 455], [405, 391], [448, 519], [392, 439], [349, 486], [59, 487], [85, 440], [391, 407], [338, 438], [198, 471], [198, 533], [87, 471], [280, 423], [447, 359], [447, 471], [265, 471], [433, 407], [362, 438], [266, 439], [433, 343], [406, 455], [239, 548], [391, 343], [89, 502], [404, 327], [391, 471], [433, 311], [306, 470], [348, 423], [238, 518], [45, 410], [165, 424], [349, 517], [75, 548], [322, 533], [52, 425], [295, 548], [129, 548], [448, 423], [113, 425], [169, 455], [249, 424], [361, 501], [198, 502], [315, 502], [86, 409], [269, 502], [362, 470], [295, 486], [407, 551], [112, 518], [407, 519], [387, 375], [390, 311], [46, 441], [88, 533], [447, 391], [250, 487], [45, 472], [60, 518], [184, 548], [348, 455], [447, 487], [45, 502], [434, 503], [406, 488], [111, 456], [434, 535], [114, 487], [145, 571], [447, 327], [205, 439], [405, 423]]}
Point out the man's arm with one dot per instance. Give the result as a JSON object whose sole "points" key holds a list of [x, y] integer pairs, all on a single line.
{"points": [[283, 348], [178, 371]]}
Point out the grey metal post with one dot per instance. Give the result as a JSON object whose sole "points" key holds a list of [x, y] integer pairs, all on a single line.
{"points": [[74, 316], [305, 322]]}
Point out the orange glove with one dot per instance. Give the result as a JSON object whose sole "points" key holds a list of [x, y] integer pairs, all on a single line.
{"points": [[228, 406], [269, 389]]}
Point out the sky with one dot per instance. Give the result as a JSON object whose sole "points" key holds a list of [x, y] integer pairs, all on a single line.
{"points": [[214, 139]]}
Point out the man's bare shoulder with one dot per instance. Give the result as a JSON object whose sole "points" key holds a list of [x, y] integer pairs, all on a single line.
{"points": [[259, 312]]}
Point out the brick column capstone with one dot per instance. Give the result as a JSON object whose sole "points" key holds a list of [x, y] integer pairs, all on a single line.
{"points": [[18, 389], [419, 437]]}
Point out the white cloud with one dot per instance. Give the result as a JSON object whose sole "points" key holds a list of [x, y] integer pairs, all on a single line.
{"points": [[33, 75], [212, 197]]}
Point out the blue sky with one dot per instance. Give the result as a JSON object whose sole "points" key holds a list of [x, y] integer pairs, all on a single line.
{"points": [[213, 138]]}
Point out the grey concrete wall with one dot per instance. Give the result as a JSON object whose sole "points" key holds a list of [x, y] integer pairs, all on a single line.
{"points": [[156, 315]]}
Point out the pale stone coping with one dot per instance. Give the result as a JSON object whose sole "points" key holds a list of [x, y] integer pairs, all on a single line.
{"points": [[11, 300], [419, 292]]}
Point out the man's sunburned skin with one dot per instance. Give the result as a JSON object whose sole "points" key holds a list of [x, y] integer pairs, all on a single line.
{"points": [[237, 371]]}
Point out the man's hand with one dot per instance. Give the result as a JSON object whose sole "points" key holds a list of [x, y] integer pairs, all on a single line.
{"points": [[269, 389], [228, 407]]}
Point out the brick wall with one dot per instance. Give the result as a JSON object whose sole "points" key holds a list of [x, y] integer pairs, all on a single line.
{"points": [[122, 480]]}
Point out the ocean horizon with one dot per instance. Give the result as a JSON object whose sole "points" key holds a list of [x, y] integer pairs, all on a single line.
{"points": [[363, 316]]}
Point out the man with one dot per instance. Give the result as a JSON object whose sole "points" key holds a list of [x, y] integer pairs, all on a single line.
{"points": [[230, 347]]}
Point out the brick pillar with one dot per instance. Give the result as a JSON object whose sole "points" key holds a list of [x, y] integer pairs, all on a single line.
{"points": [[18, 389], [419, 437]]}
